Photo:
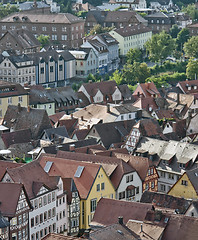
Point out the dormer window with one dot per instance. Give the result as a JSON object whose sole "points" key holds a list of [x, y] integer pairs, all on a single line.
{"points": [[189, 87], [195, 87]]}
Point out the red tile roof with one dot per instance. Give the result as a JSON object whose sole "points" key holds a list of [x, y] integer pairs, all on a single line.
{"points": [[4, 165], [146, 89], [184, 85], [108, 211], [67, 169], [147, 103]]}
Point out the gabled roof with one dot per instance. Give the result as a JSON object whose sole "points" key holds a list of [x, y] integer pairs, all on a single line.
{"points": [[69, 186], [146, 103], [108, 211], [9, 198], [132, 30], [23, 37], [166, 201], [193, 177], [18, 118], [114, 167], [20, 136], [66, 18], [56, 132], [4, 165], [29, 174], [113, 132], [8, 89], [146, 89], [188, 87], [106, 88], [68, 168], [165, 113], [55, 117]]}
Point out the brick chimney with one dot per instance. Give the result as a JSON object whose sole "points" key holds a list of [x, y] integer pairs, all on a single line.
{"points": [[120, 220]]}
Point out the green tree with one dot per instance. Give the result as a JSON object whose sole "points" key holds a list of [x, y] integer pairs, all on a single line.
{"points": [[160, 46], [134, 55], [192, 69], [7, 9], [117, 76], [44, 40], [182, 37], [192, 11], [191, 47], [174, 31], [97, 29]]}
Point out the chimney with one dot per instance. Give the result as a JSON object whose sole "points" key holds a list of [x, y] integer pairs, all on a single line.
{"points": [[72, 116], [177, 98], [88, 127], [28, 109], [82, 119], [72, 147], [108, 108], [139, 114], [120, 220], [19, 107], [141, 228]]}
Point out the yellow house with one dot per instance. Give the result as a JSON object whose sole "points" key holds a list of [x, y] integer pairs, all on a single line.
{"points": [[134, 36], [12, 94], [186, 186], [90, 179]]}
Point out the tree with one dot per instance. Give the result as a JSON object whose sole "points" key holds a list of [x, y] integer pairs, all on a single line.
{"points": [[191, 11], [117, 76], [191, 47], [192, 69], [174, 31], [134, 73], [97, 29], [182, 37], [44, 40], [134, 55], [160, 46]]}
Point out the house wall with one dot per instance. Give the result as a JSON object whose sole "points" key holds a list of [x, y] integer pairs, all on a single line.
{"points": [[191, 212], [151, 181], [108, 192], [12, 100], [98, 97], [136, 182], [180, 190], [132, 139], [117, 95], [166, 179], [49, 107]]}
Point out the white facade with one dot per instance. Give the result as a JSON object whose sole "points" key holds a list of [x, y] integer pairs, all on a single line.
{"points": [[61, 209], [132, 139], [167, 178], [128, 180]]}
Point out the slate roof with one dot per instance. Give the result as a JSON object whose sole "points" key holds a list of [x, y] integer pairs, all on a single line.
{"points": [[166, 201], [23, 37], [113, 132], [67, 169], [9, 197], [56, 132], [19, 118], [20, 136], [132, 30], [30, 5], [112, 209], [193, 177], [32, 176], [64, 18]]}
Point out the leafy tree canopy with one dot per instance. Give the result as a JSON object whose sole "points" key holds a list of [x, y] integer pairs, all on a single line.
{"points": [[191, 47], [134, 55], [174, 31], [182, 37], [44, 40], [192, 69]]}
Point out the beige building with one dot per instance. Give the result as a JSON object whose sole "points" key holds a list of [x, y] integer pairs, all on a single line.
{"points": [[134, 36], [12, 94]]}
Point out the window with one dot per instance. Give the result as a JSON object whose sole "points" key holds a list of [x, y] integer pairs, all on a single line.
{"points": [[41, 218], [93, 204], [33, 28], [42, 70], [10, 100], [64, 37], [44, 200], [64, 29], [184, 182], [54, 37], [53, 212], [49, 214], [36, 220], [162, 187], [152, 184], [60, 68], [49, 198], [98, 187], [163, 174], [45, 216], [53, 29], [137, 190], [151, 171], [36, 203], [147, 186], [121, 195], [51, 68], [3, 27], [40, 202], [32, 222], [53, 196], [129, 178], [102, 186], [171, 176], [44, 29], [41, 233]]}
